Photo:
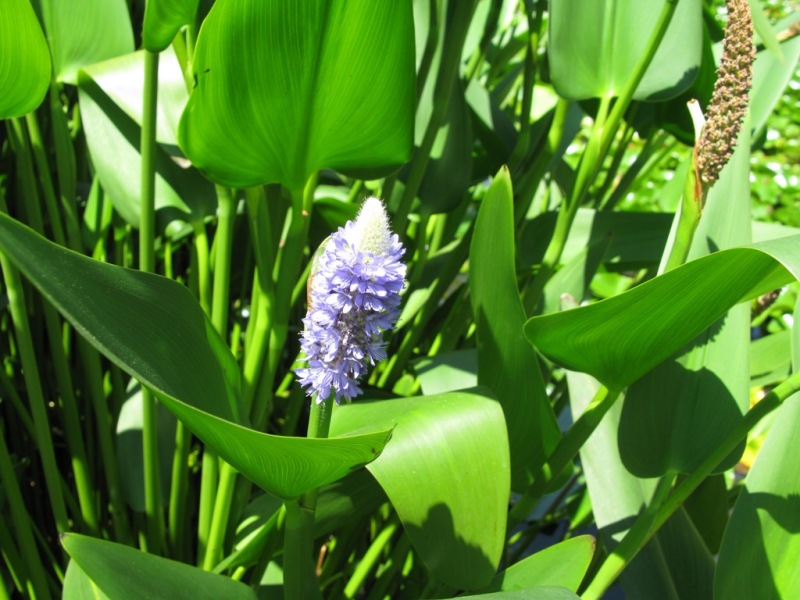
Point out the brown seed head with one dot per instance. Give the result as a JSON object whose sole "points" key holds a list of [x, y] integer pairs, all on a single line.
{"points": [[729, 101]]}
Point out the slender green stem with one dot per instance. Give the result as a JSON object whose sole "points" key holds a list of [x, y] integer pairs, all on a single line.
{"points": [[298, 567], [644, 528], [21, 524], [33, 385], [372, 556], [66, 169], [285, 274], [223, 244], [202, 270], [564, 453], [222, 511], [688, 219], [45, 179], [603, 132], [155, 516], [457, 27], [209, 480]]}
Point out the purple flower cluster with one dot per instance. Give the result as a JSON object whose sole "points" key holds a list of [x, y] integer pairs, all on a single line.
{"points": [[354, 294]]}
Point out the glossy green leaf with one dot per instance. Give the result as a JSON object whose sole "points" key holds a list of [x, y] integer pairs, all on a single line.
{"points": [[448, 372], [563, 565], [286, 88], [618, 340], [124, 572], [575, 276], [446, 472], [675, 564], [594, 46], [83, 32], [78, 585], [111, 95], [24, 60], [154, 329], [163, 19], [506, 362], [758, 557], [679, 412]]}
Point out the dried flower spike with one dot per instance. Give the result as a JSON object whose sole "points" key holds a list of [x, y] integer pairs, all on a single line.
{"points": [[729, 101], [354, 294]]}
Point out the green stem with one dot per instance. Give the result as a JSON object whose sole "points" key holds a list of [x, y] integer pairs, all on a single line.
{"points": [[371, 558], [222, 511], [30, 371], [457, 27], [202, 266], [603, 132], [209, 480], [644, 529], [688, 219], [298, 567], [66, 169], [45, 180], [564, 453], [223, 245], [147, 223], [21, 524]]}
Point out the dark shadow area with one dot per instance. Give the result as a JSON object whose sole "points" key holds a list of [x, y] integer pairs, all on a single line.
{"points": [[672, 418], [451, 559]]}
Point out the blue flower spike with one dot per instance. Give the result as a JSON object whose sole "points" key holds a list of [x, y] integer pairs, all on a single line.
{"points": [[353, 296]]}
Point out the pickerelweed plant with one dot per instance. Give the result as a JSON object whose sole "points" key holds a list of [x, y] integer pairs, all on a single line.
{"points": [[575, 390], [353, 296]]}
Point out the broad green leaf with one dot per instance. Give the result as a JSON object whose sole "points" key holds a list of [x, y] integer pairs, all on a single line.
{"points": [[448, 372], [154, 329], [506, 362], [618, 340], [111, 110], [563, 565], [286, 88], [758, 557], [124, 572], [679, 412], [446, 473], [24, 60], [594, 46], [675, 564], [82, 32], [163, 19], [78, 585]]}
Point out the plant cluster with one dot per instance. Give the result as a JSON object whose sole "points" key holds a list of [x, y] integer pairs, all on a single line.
{"points": [[401, 299]]}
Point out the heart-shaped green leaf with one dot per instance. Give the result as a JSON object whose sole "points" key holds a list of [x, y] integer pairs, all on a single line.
{"points": [[618, 340], [24, 60], [286, 88], [163, 19], [154, 329], [594, 46], [124, 572], [446, 473], [83, 32]]}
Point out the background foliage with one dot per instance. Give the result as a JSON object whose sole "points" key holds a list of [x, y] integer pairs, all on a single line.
{"points": [[578, 399]]}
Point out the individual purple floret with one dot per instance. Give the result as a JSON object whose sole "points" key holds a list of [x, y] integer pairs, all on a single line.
{"points": [[353, 295]]}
